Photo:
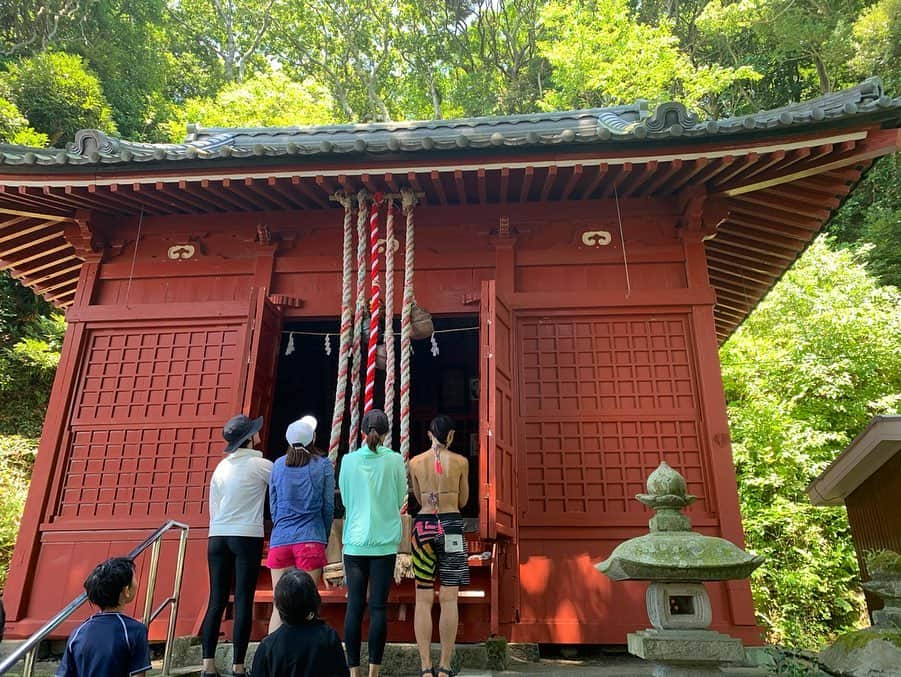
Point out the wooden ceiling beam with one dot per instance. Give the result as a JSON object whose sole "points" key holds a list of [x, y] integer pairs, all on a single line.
{"points": [[41, 289], [192, 199], [798, 194], [291, 198], [79, 196], [741, 276], [370, 184], [55, 261], [6, 251], [726, 309], [179, 198], [761, 226], [571, 182], [249, 201], [145, 193], [482, 184], [413, 180], [687, 173], [391, 183], [267, 195], [34, 257], [596, 180], [505, 184], [750, 211], [56, 273], [714, 169], [728, 228], [223, 195], [736, 300], [127, 197], [768, 249], [460, 187], [846, 154], [742, 165], [749, 291], [550, 178], [662, 177], [638, 179], [8, 233], [33, 215], [21, 196], [782, 205], [754, 169], [527, 175], [15, 221], [313, 194], [117, 198], [438, 185], [621, 175], [825, 185], [736, 256], [63, 294]]}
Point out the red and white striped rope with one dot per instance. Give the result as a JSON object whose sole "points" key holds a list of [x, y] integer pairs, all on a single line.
{"points": [[346, 335], [374, 302], [362, 197], [409, 201], [389, 321]]}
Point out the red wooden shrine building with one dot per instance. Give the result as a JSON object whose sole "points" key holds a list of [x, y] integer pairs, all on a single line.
{"points": [[593, 261]]}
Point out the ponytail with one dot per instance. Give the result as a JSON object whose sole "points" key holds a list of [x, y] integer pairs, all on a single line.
{"points": [[298, 456], [373, 439]]}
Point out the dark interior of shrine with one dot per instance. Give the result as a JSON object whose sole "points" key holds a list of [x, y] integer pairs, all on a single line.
{"points": [[444, 383]]}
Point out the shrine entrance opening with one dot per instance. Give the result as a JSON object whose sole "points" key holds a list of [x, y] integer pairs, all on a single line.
{"points": [[446, 382]]}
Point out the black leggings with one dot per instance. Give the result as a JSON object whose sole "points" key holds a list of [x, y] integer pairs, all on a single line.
{"points": [[377, 573], [230, 557]]}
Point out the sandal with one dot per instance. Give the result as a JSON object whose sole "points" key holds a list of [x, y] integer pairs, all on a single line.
{"points": [[427, 672], [446, 671]]}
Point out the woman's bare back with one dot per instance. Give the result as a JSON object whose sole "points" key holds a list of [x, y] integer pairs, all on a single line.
{"points": [[440, 493]]}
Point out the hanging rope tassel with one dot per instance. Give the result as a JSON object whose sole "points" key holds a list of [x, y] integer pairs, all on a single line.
{"points": [[346, 334], [362, 196], [409, 202], [374, 301], [389, 321]]}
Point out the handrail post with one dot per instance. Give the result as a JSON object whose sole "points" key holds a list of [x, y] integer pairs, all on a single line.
{"points": [[151, 580], [28, 667], [176, 596]]}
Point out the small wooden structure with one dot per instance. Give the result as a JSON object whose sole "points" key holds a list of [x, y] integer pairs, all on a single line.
{"points": [[866, 477], [600, 255]]}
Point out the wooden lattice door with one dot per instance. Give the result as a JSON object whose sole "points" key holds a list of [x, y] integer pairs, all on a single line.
{"points": [[496, 426]]}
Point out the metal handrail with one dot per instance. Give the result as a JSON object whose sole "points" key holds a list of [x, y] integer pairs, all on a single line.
{"points": [[28, 649]]}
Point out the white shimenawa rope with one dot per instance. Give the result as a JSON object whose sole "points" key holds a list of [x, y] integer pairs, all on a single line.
{"points": [[389, 320], [362, 237], [346, 333], [409, 202]]}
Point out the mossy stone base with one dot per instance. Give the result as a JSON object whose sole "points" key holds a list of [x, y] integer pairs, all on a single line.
{"points": [[873, 652]]}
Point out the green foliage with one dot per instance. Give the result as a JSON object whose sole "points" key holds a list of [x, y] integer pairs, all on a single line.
{"points": [[265, 99], [803, 375], [877, 43], [601, 56], [59, 95], [16, 460]]}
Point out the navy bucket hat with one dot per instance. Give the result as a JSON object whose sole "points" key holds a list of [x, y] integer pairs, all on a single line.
{"points": [[239, 429]]}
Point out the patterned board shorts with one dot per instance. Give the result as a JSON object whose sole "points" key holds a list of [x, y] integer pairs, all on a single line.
{"points": [[429, 555]]}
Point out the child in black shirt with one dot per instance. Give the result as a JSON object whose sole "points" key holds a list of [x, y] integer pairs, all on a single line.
{"points": [[304, 646]]}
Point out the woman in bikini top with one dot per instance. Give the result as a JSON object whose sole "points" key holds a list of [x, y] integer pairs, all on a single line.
{"points": [[440, 477]]}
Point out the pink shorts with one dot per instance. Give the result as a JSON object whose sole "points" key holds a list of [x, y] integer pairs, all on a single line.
{"points": [[306, 556]]}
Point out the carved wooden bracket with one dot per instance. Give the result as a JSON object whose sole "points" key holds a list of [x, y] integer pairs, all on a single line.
{"points": [[285, 301], [700, 214], [81, 234], [504, 235]]}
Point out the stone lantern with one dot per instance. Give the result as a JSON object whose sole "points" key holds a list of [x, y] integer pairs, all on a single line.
{"points": [[677, 561]]}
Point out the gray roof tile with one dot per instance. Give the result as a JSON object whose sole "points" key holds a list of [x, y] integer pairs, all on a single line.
{"points": [[632, 123]]}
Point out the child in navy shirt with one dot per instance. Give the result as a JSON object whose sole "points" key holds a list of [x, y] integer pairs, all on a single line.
{"points": [[304, 646], [109, 643]]}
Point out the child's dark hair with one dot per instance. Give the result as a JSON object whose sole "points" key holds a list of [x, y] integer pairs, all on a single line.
{"points": [[296, 597], [440, 427], [106, 582], [299, 455]]}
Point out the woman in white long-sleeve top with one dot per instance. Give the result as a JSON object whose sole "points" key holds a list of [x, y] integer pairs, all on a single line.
{"points": [[235, 547]]}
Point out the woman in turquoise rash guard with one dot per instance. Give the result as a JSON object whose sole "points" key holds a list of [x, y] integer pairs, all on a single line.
{"points": [[373, 485]]}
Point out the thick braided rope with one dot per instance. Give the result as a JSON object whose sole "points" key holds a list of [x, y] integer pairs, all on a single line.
{"points": [[374, 302], [409, 200], [344, 351], [358, 322], [389, 320]]}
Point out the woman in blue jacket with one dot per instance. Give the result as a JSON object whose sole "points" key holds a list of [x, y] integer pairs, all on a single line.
{"points": [[302, 503]]}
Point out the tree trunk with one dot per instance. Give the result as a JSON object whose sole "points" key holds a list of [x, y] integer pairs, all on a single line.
{"points": [[825, 84]]}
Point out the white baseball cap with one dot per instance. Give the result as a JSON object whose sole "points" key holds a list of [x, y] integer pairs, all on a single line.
{"points": [[310, 421], [300, 433]]}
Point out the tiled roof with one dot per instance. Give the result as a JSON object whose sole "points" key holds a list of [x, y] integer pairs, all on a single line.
{"points": [[668, 122]]}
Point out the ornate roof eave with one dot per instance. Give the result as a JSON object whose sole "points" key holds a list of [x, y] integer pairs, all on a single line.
{"points": [[669, 123]]}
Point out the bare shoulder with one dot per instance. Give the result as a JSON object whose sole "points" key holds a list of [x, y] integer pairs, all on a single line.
{"points": [[459, 460]]}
